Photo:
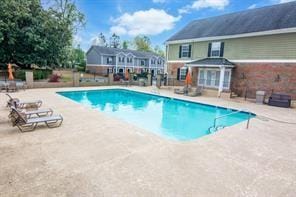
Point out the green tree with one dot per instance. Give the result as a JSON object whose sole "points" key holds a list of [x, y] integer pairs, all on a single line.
{"points": [[125, 44], [29, 34], [114, 41], [69, 20], [79, 57], [102, 40], [158, 51], [142, 43]]}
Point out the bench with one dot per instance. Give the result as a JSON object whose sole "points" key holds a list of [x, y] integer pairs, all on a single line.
{"points": [[280, 100]]}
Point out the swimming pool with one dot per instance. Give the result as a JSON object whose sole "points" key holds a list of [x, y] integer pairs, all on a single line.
{"points": [[172, 118]]}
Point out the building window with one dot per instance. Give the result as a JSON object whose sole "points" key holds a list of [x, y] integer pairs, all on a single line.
{"points": [[210, 77], [226, 83], [185, 50], [109, 60], [142, 62], [201, 78], [159, 61], [121, 59], [129, 60], [153, 61], [216, 49], [182, 73]]}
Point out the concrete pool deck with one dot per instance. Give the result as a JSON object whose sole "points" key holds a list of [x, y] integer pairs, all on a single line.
{"points": [[93, 154]]}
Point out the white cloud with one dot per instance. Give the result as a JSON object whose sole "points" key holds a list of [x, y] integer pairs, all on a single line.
{"points": [[146, 22], [158, 1], [284, 1], [118, 30], [200, 4], [252, 6], [119, 8]]}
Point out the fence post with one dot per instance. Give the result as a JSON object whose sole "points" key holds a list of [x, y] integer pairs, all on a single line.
{"points": [[29, 79], [149, 79], [158, 80], [110, 78], [76, 78]]}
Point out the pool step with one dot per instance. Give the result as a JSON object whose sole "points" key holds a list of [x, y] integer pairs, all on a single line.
{"points": [[215, 129]]}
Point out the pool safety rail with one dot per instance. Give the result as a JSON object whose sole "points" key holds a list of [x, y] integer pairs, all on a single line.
{"points": [[216, 127]]}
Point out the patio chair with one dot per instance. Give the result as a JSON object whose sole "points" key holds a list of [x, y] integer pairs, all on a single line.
{"points": [[29, 124], [11, 86], [23, 105], [21, 85], [3, 85], [280, 100], [184, 90], [196, 92]]}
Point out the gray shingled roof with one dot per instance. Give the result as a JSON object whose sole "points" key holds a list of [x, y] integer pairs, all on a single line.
{"points": [[256, 20], [114, 51], [212, 61]]}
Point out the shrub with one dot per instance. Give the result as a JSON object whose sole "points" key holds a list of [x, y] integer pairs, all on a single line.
{"points": [[20, 74], [117, 77], [142, 75], [38, 74], [41, 74], [80, 69], [54, 78]]}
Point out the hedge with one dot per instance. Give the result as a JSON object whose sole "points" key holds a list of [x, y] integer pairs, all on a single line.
{"points": [[37, 74]]}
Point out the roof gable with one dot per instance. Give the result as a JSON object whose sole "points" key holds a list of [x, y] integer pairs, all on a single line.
{"points": [[269, 18], [116, 51]]}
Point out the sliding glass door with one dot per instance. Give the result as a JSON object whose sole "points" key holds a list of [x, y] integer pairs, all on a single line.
{"points": [[210, 77]]}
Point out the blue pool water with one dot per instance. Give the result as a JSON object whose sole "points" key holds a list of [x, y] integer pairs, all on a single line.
{"points": [[173, 118]]}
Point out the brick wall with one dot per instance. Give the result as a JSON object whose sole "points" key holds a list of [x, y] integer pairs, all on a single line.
{"points": [[276, 77], [172, 73]]}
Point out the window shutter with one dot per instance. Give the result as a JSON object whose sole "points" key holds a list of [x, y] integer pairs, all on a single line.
{"points": [[222, 49], [209, 49], [180, 51], [178, 74], [189, 54]]}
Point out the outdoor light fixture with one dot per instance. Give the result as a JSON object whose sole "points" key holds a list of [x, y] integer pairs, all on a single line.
{"points": [[278, 78], [243, 76]]}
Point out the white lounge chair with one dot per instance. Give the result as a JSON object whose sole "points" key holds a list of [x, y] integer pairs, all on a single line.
{"points": [[15, 102], [29, 124]]}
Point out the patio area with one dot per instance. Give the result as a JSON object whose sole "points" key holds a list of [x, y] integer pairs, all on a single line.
{"points": [[93, 154]]}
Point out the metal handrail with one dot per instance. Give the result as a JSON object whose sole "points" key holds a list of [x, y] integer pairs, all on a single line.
{"points": [[219, 117]]}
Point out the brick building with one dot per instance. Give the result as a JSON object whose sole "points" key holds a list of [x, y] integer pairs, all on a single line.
{"points": [[240, 52]]}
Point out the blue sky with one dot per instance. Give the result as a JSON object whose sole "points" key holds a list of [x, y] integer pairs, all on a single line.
{"points": [[158, 19]]}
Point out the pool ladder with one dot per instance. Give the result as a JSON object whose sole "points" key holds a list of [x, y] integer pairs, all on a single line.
{"points": [[216, 127]]}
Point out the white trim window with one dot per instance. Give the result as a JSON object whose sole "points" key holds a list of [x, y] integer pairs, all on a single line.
{"points": [[182, 73], [185, 50], [129, 60], [142, 62], [121, 59], [216, 49], [109, 60], [159, 61], [210, 77], [153, 61]]}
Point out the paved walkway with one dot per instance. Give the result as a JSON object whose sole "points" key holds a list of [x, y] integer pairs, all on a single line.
{"points": [[93, 154]]}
